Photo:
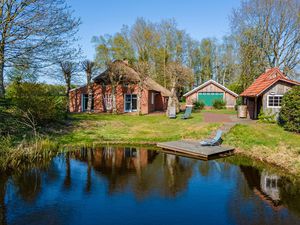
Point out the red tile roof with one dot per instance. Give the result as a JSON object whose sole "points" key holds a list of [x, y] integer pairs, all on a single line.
{"points": [[264, 81]]}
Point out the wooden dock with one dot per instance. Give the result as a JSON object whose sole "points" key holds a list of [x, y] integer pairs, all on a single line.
{"points": [[195, 150]]}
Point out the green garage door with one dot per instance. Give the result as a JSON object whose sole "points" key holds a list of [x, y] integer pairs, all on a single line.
{"points": [[209, 97]]}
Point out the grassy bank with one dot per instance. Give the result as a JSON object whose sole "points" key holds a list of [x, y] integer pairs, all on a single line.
{"points": [[26, 153], [265, 142], [268, 143], [148, 129]]}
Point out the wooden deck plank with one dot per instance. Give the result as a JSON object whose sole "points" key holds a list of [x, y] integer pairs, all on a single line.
{"points": [[194, 149]]}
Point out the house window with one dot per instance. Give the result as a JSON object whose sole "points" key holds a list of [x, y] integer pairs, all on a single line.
{"points": [[130, 103], [108, 101], [274, 101], [85, 99], [130, 152]]}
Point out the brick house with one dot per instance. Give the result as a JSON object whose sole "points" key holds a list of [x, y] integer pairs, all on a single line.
{"points": [[266, 92], [153, 98], [210, 91]]}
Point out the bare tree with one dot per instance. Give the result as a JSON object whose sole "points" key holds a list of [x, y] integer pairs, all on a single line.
{"points": [[68, 69], [118, 72], [180, 77], [276, 25], [143, 69], [89, 66], [33, 28]]}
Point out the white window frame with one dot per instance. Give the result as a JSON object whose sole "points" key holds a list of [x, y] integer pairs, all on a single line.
{"points": [[131, 110], [273, 107]]}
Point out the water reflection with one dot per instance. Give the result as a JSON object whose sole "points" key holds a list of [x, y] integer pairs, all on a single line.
{"points": [[96, 183], [142, 170]]}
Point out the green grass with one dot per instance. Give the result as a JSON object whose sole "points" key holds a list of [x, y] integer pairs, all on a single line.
{"points": [[101, 128], [267, 142]]}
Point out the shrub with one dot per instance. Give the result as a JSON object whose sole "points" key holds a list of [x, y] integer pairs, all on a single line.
{"points": [[289, 116], [236, 87], [219, 104], [46, 103], [267, 117], [198, 105], [239, 101]]}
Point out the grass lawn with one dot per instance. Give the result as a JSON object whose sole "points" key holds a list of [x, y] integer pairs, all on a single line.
{"points": [[131, 129], [267, 142]]}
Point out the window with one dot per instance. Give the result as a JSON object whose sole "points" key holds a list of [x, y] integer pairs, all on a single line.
{"points": [[130, 152], [130, 103], [274, 101], [85, 99], [108, 101]]}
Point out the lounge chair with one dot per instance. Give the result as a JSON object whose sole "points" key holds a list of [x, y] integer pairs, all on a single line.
{"points": [[187, 113], [217, 140]]}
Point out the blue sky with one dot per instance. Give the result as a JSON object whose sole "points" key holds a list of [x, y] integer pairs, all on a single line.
{"points": [[199, 18]]}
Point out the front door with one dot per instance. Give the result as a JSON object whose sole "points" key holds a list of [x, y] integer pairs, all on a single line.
{"points": [[130, 103]]}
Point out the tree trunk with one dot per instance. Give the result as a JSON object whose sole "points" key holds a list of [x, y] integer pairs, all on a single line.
{"points": [[173, 100], [2, 88], [90, 96], [114, 103], [68, 88], [223, 80], [140, 90]]}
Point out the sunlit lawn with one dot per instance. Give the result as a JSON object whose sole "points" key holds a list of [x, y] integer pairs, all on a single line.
{"points": [[97, 128]]}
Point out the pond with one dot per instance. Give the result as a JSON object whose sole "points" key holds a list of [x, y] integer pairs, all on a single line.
{"points": [[117, 185]]}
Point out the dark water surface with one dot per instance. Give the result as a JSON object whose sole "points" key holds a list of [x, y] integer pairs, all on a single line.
{"points": [[113, 185]]}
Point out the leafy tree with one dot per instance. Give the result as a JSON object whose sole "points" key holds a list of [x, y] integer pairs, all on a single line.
{"points": [[145, 38], [252, 61], [226, 66], [289, 116], [207, 48]]}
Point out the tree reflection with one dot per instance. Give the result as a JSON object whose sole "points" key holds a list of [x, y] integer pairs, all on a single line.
{"points": [[67, 180], [28, 184], [141, 169], [3, 183]]}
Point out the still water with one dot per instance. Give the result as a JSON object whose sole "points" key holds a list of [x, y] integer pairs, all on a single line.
{"points": [[117, 185]]}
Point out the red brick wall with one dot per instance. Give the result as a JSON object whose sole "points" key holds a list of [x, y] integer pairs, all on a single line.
{"points": [[99, 93], [160, 102]]}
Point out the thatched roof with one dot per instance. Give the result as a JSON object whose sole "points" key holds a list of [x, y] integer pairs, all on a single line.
{"points": [[121, 69], [128, 75]]}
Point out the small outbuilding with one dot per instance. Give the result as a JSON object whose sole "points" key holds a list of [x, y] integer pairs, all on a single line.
{"points": [[266, 93], [210, 91]]}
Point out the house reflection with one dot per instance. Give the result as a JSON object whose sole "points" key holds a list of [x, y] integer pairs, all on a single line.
{"points": [[265, 185], [145, 171], [269, 184]]}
